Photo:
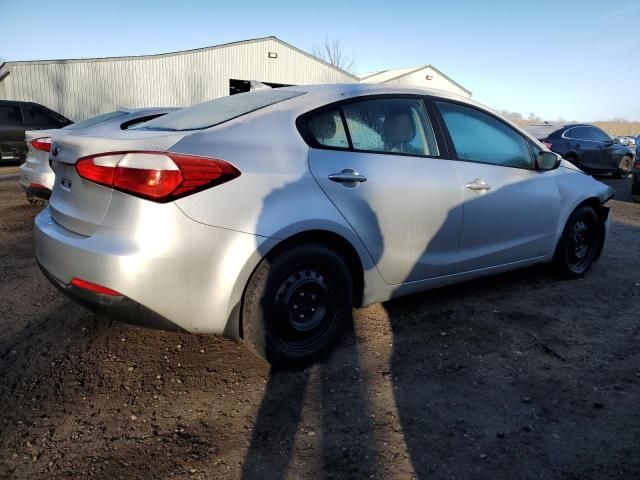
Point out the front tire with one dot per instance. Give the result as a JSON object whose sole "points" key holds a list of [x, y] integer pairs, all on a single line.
{"points": [[580, 243], [624, 169], [297, 304]]}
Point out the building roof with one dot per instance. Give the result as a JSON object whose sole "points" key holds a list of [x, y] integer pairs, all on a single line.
{"points": [[179, 52], [384, 76]]}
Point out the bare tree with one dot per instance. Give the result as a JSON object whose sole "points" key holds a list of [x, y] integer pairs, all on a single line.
{"points": [[332, 51]]}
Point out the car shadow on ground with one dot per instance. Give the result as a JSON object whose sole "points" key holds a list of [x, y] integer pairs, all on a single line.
{"points": [[476, 375]]}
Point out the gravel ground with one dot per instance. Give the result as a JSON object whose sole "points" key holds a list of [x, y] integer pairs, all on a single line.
{"points": [[515, 376]]}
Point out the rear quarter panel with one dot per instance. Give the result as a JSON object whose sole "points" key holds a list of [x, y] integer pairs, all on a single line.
{"points": [[275, 196]]}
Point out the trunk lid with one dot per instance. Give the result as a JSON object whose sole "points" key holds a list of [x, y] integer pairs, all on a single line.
{"points": [[80, 205]]}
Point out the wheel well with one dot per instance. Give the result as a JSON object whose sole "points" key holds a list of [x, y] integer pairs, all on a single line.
{"points": [[340, 245]]}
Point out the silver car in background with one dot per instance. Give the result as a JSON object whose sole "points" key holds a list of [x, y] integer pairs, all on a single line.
{"points": [[269, 215], [36, 176]]}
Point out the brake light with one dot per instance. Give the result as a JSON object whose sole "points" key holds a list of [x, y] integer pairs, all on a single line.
{"points": [[637, 166], [156, 176], [94, 287], [43, 144], [548, 145]]}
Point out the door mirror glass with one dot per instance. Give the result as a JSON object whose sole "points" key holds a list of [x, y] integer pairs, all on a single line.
{"points": [[548, 160]]}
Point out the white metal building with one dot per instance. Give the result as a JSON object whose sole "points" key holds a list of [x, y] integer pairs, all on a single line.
{"points": [[422, 76], [79, 89]]}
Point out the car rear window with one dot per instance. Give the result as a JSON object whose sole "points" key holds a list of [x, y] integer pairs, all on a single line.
{"points": [[95, 120], [220, 110]]}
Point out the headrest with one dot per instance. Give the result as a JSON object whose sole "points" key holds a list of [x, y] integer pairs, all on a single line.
{"points": [[323, 126], [398, 128]]}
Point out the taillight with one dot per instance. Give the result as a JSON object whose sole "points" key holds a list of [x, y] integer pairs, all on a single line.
{"points": [[637, 166], [157, 176], [548, 145], [94, 287], [43, 144]]}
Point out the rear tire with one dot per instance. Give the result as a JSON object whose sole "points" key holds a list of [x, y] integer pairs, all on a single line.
{"points": [[635, 193], [36, 201], [297, 304], [624, 169], [579, 245]]}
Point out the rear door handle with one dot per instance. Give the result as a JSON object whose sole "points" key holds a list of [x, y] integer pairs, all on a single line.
{"points": [[478, 185], [347, 175]]}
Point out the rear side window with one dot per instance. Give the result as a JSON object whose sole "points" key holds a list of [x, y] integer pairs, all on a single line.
{"points": [[328, 130], [10, 115], [479, 137], [393, 125], [578, 133], [42, 117], [95, 120], [220, 110]]}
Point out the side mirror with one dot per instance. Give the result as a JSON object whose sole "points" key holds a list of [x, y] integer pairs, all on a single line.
{"points": [[615, 140], [548, 161]]}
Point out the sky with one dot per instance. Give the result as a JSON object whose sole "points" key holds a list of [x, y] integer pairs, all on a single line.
{"points": [[574, 60]]}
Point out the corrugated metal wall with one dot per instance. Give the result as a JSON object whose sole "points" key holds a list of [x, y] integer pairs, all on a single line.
{"points": [[438, 81], [81, 89]]}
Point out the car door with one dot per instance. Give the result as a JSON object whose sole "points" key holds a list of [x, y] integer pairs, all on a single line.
{"points": [[585, 145], [379, 162], [511, 211], [609, 153]]}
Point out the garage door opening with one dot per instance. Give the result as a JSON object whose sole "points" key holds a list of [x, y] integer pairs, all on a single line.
{"points": [[240, 86]]}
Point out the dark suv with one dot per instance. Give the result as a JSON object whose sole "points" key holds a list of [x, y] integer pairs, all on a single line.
{"points": [[635, 184], [586, 146], [15, 119]]}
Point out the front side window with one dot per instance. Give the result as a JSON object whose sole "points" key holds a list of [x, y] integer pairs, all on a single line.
{"points": [[479, 137], [598, 135], [10, 115], [392, 125], [328, 130]]}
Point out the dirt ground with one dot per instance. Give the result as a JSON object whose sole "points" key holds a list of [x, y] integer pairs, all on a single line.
{"points": [[514, 377]]}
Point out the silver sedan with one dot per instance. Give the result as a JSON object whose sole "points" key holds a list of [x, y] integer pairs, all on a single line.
{"points": [[269, 215]]}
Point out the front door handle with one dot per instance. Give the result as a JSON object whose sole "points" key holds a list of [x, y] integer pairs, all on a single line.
{"points": [[347, 175], [478, 185]]}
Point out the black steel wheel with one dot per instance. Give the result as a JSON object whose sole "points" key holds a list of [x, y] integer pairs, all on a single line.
{"points": [[297, 304], [580, 243]]}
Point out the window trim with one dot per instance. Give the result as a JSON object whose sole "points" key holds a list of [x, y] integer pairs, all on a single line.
{"points": [[452, 148], [307, 136]]}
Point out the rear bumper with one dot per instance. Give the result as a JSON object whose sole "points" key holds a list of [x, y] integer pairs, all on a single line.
{"points": [[172, 272], [37, 180], [119, 308]]}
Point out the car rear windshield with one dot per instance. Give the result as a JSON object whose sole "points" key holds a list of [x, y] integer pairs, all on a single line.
{"points": [[95, 120], [220, 110]]}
